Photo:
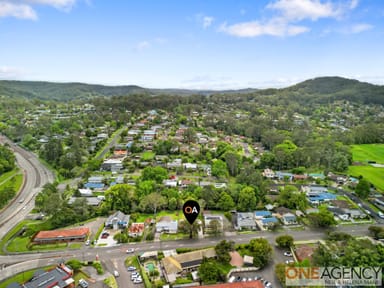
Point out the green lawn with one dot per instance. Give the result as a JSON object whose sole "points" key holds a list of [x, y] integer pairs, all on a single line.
{"points": [[147, 156], [372, 174], [177, 236], [175, 215], [368, 152], [7, 175]]}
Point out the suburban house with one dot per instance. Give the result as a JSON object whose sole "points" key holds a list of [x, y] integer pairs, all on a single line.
{"points": [[112, 164], [268, 173], [166, 225], [58, 277], [339, 212], [289, 219], [117, 220], [262, 214], [87, 192], [177, 265], [91, 201], [95, 182], [245, 221], [268, 222], [318, 194], [136, 229], [62, 235]]}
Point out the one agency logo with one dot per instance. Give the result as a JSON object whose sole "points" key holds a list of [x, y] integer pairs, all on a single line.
{"points": [[333, 276]]}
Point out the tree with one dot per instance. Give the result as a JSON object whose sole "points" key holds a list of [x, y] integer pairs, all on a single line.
{"points": [[121, 237], [152, 202], [75, 264], [280, 273], [247, 199], [193, 229], [209, 271], [189, 135], [291, 198], [214, 227], [7, 159], [362, 188], [157, 174], [322, 219], [172, 204], [261, 251], [119, 197], [284, 241], [219, 169], [225, 202], [222, 250], [233, 161], [377, 232]]}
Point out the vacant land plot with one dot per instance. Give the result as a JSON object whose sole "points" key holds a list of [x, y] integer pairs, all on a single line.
{"points": [[368, 152]]}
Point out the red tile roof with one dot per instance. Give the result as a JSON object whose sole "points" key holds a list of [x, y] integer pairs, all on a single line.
{"points": [[248, 284], [66, 233]]}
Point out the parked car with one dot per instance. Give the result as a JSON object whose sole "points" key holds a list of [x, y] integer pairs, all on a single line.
{"points": [[289, 262], [83, 283], [138, 281], [131, 268], [87, 242], [288, 254], [116, 273]]}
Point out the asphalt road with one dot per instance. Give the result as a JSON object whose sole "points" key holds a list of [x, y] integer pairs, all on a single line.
{"points": [[36, 176]]}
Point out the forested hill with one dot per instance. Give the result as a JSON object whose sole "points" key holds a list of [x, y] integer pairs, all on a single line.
{"points": [[318, 90], [63, 91], [329, 89]]}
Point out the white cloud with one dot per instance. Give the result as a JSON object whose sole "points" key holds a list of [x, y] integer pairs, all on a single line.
{"points": [[59, 4], [358, 28], [20, 11], [204, 20], [288, 14], [24, 9], [274, 27], [297, 10]]}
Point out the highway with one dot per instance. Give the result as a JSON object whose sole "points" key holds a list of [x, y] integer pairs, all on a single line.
{"points": [[36, 176]]}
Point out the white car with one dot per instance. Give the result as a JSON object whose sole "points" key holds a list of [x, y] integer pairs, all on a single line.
{"points": [[138, 281], [130, 250], [289, 262], [116, 273], [288, 254]]}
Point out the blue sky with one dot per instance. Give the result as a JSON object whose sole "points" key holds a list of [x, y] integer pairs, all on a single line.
{"points": [[214, 44]]}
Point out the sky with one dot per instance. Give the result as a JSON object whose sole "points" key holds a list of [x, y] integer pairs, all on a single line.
{"points": [[194, 44]]}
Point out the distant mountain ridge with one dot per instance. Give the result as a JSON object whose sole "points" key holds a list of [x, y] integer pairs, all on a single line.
{"points": [[322, 89]]}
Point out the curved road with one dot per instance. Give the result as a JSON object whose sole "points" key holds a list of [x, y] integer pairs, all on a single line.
{"points": [[36, 176]]}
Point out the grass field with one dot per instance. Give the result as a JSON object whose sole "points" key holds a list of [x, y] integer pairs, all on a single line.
{"points": [[368, 152], [372, 174], [364, 153]]}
